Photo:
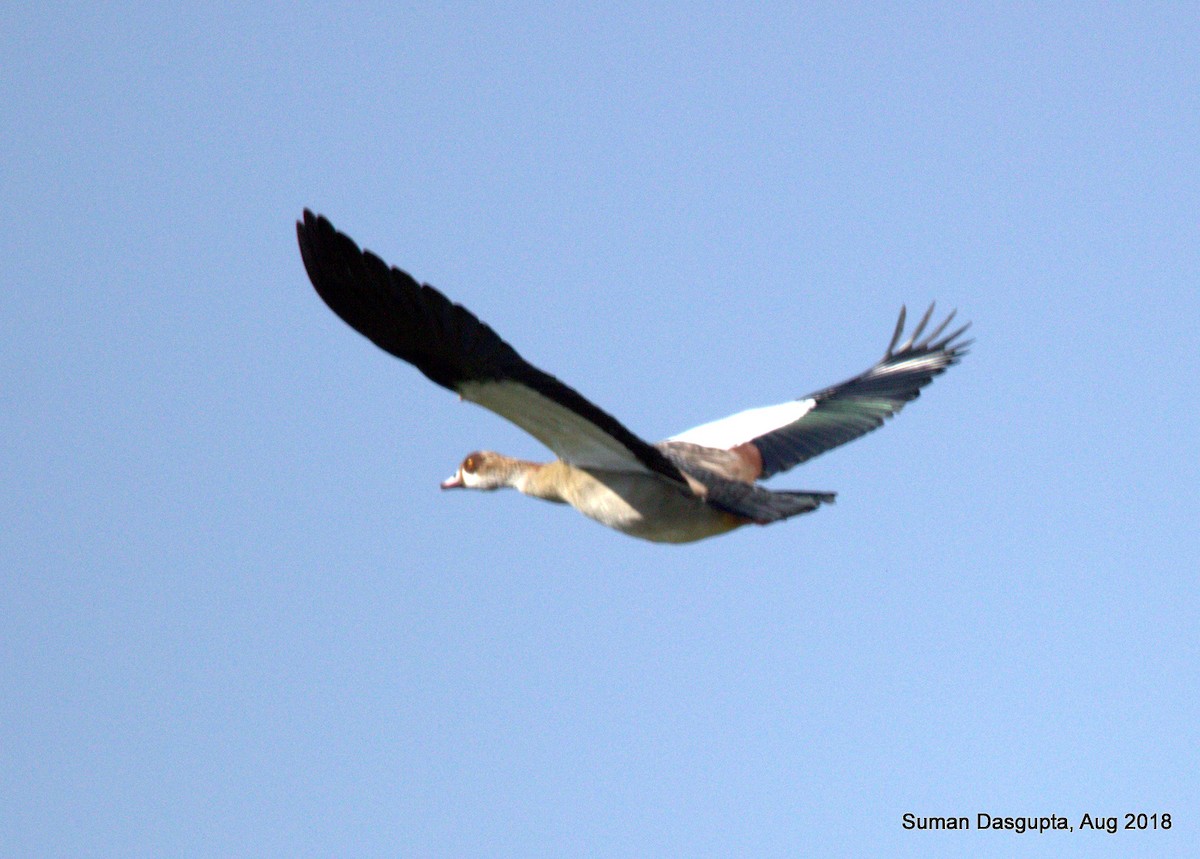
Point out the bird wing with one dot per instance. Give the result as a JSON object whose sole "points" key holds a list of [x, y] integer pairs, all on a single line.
{"points": [[452, 347], [789, 433]]}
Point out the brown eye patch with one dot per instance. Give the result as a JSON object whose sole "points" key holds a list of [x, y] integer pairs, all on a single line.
{"points": [[469, 464]]}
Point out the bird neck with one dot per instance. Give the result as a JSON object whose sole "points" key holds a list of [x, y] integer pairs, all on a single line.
{"points": [[508, 471], [538, 479]]}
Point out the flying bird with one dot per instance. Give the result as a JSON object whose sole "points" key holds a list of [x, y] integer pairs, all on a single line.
{"points": [[697, 484]]}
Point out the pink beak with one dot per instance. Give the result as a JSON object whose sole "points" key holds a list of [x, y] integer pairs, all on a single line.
{"points": [[454, 482]]}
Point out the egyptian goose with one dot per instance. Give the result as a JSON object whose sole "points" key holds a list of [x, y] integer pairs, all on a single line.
{"points": [[693, 485]]}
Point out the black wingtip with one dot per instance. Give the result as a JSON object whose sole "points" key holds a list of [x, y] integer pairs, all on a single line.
{"points": [[308, 222], [930, 342], [312, 232], [896, 334]]}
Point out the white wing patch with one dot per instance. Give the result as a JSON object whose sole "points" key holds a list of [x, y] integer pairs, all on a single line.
{"points": [[933, 362], [737, 429], [572, 437]]}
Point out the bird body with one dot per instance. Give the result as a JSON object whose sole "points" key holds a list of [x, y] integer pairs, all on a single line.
{"points": [[697, 484], [631, 502]]}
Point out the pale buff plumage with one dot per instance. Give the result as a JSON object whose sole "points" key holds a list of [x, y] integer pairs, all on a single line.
{"points": [[637, 504]]}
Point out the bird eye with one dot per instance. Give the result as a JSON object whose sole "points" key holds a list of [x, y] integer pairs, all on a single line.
{"points": [[469, 465]]}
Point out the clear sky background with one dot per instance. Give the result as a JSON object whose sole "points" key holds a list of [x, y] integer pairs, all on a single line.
{"points": [[240, 619]]}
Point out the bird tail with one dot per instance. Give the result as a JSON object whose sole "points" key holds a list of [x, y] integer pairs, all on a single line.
{"points": [[764, 506], [783, 505]]}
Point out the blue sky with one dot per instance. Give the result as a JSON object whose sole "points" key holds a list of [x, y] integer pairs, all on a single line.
{"points": [[240, 618]]}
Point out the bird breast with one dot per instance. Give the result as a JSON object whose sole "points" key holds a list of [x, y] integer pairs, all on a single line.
{"points": [[641, 505]]}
